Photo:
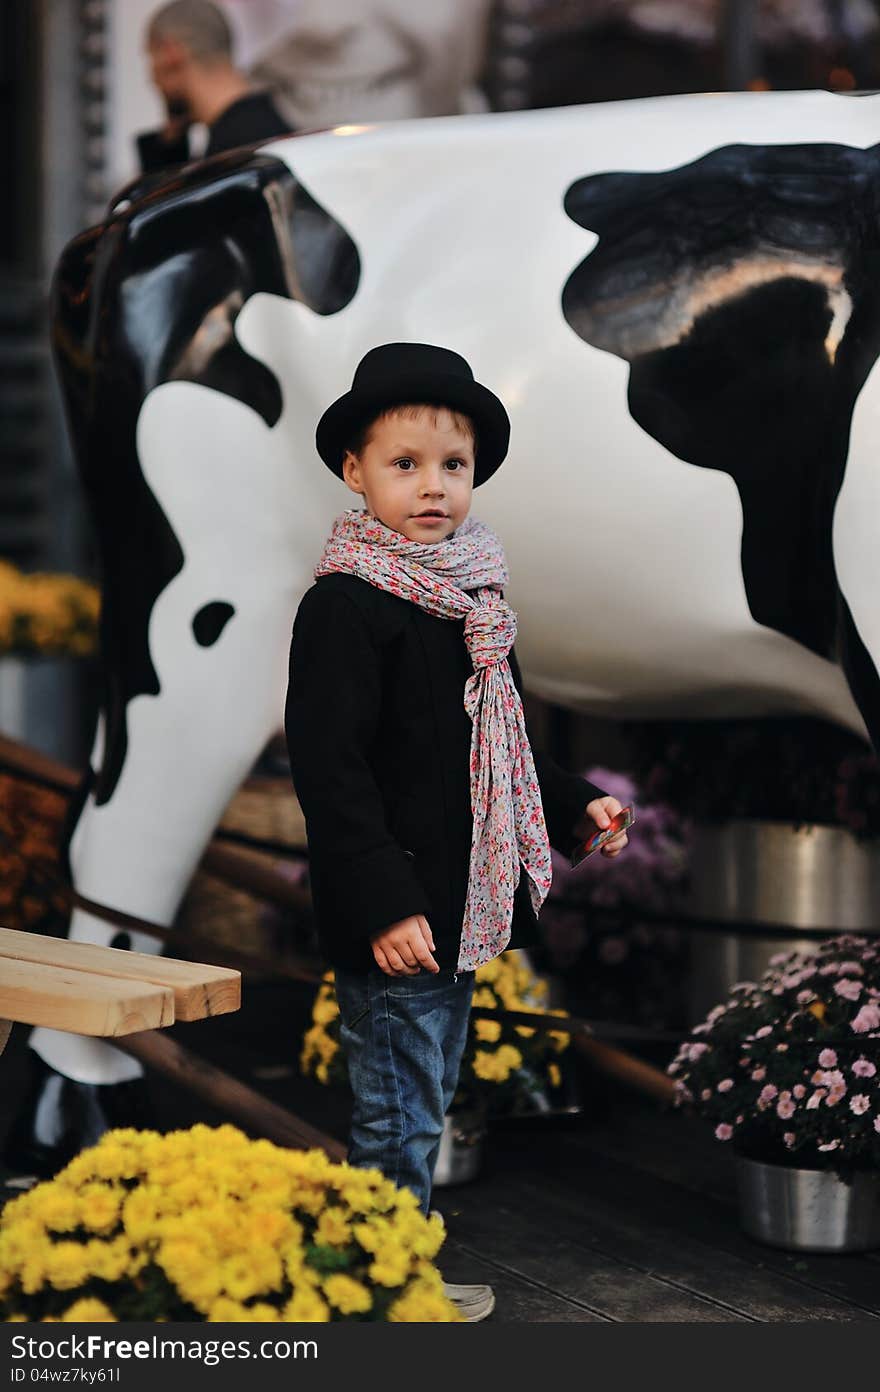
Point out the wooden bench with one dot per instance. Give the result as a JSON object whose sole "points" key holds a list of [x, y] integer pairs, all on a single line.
{"points": [[104, 991], [126, 997]]}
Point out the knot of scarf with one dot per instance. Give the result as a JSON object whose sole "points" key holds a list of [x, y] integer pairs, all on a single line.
{"points": [[460, 579], [489, 631]]}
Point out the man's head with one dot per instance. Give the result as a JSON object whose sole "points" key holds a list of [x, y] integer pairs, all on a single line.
{"points": [[413, 465], [186, 40]]}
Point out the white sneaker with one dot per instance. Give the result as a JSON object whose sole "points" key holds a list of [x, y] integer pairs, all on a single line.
{"points": [[474, 1303]]}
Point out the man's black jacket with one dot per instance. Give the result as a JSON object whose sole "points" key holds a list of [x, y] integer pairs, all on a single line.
{"points": [[379, 744], [253, 117]]}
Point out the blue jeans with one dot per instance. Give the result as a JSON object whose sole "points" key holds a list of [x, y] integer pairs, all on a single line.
{"points": [[403, 1038]]}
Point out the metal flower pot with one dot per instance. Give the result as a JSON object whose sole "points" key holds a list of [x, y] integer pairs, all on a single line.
{"points": [[808, 1210], [819, 879], [461, 1147]]}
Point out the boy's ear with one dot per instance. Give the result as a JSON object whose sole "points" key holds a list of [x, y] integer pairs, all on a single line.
{"points": [[351, 472]]}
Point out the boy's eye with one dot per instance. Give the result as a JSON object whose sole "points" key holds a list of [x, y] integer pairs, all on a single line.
{"points": [[405, 464], [455, 465]]}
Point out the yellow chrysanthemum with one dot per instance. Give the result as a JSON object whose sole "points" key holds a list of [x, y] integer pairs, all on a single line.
{"points": [[306, 1306], [422, 1304], [390, 1267], [350, 1297], [88, 1311], [487, 1031], [67, 1265], [333, 1228]]}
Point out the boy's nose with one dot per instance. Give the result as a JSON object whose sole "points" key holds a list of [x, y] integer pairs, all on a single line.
{"points": [[432, 483]]}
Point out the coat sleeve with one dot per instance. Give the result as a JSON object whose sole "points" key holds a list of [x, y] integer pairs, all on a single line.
{"points": [[361, 876], [565, 795]]}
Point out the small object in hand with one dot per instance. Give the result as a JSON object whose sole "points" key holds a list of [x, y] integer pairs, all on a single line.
{"points": [[621, 822]]}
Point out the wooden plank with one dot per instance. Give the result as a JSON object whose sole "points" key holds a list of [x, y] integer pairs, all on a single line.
{"points": [[5, 1028], [643, 1234], [595, 1279], [77, 1001], [642, 1176], [199, 990], [223, 1091], [518, 1301], [31, 763]]}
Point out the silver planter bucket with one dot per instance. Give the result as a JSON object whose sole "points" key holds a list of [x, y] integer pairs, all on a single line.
{"points": [[819, 879], [461, 1148], [808, 1210]]}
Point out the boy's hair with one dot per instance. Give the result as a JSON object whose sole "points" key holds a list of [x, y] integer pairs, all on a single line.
{"points": [[411, 411], [197, 24]]}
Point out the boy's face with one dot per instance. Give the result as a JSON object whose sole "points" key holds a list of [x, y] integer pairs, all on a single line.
{"points": [[415, 472]]}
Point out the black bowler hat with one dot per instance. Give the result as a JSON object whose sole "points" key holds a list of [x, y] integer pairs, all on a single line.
{"points": [[395, 373]]}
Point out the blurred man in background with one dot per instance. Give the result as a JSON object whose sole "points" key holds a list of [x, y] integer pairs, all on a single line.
{"points": [[189, 44]]}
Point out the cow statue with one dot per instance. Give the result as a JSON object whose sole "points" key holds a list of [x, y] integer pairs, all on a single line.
{"points": [[678, 299]]}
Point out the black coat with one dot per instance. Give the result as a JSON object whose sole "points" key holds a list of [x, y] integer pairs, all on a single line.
{"points": [[253, 117], [379, 743]]}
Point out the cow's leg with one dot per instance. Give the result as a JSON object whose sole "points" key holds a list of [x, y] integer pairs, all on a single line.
{"points": [[189, 749]]}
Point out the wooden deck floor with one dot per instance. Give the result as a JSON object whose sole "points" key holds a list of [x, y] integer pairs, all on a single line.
{"points": [[624, 1214]]}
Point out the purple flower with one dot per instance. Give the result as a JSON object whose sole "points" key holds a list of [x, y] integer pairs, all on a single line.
{"points": [[766, 1096], [725, 1085], [723, 1131], [814, 1099], [835, 1095], [868, 1018], [785, 1108], [829, 1078], [864, 1068], [789, 1137], [831, 1145], [758, 1074], [828, 1059], [877, 1124], [848, 988], [852, 967], [799, 1090], [859, 1104], [763, 1031]]}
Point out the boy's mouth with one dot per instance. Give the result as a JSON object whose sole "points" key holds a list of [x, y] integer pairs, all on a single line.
{"points": [[434, 513]]}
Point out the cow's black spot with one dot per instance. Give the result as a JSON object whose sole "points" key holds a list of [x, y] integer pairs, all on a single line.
{"points": [[743, 290], [152, 296], [210, 621]]}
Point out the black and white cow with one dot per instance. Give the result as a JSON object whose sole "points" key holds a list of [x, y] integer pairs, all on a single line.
{"points": [[677, 300]]}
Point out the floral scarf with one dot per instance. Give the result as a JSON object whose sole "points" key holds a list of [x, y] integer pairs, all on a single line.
{"points": [[460, 578]]}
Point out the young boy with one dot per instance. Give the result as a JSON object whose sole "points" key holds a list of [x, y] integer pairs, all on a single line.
{"points": [[429, 817]]}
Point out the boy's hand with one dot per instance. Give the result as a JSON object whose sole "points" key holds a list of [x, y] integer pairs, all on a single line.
{"points": [[596, 818], [405, 947]]}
